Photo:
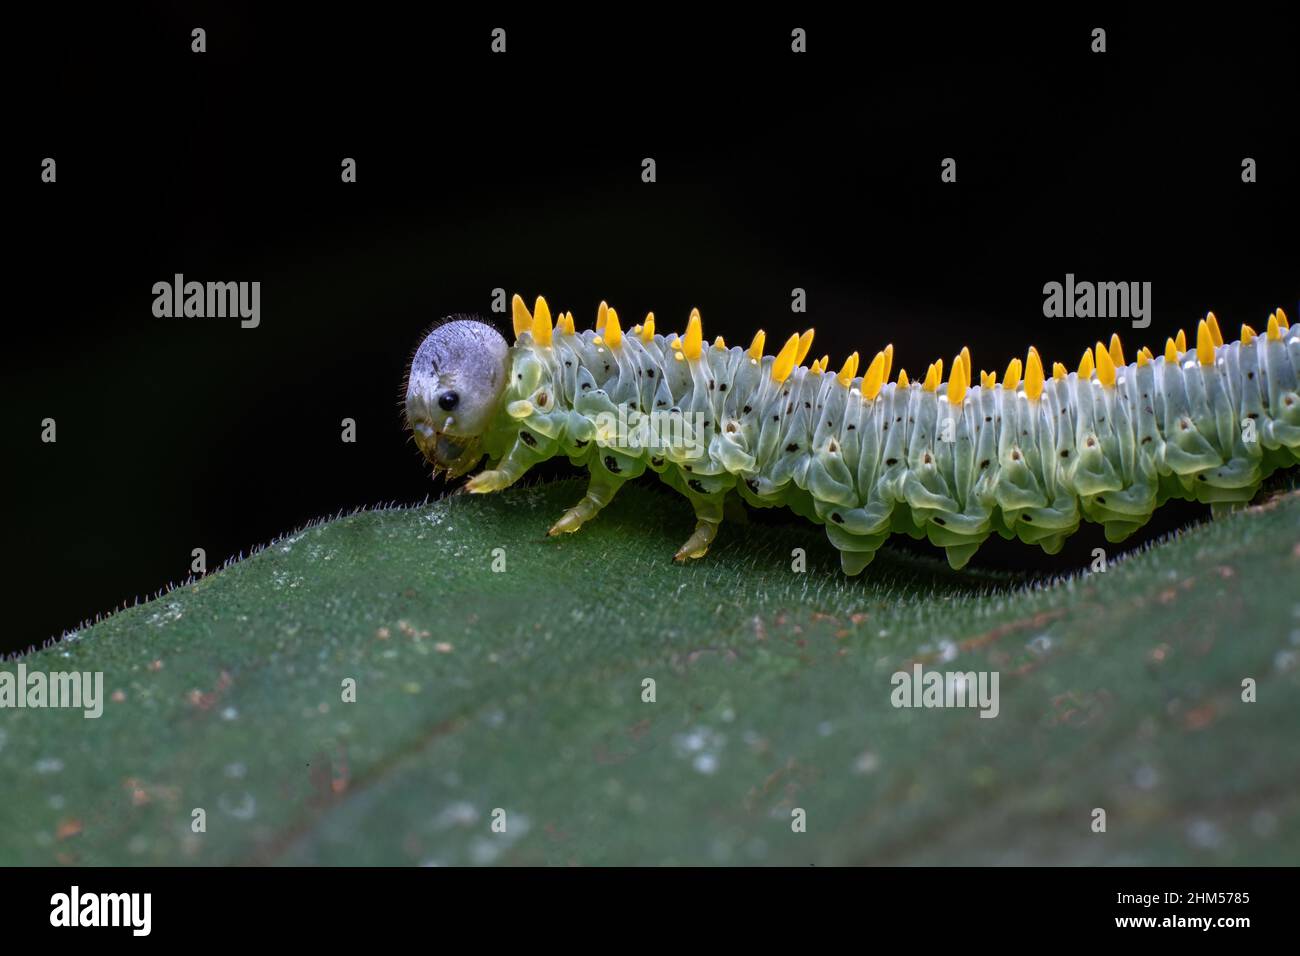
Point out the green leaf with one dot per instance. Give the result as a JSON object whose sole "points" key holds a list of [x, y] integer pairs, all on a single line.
{"points": [[522, 691]]}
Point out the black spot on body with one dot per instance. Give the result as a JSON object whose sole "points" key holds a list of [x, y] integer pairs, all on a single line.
{"points": [[612, 464], [528, 439]]}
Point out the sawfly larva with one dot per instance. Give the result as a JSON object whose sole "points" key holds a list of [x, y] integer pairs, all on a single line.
{"points": [[954, 461]]}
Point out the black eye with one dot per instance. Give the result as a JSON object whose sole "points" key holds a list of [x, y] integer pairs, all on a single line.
{"points": [[448, 400]]}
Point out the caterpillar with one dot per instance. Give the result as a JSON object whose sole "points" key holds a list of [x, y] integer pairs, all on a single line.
{"points": [[953, 461]]}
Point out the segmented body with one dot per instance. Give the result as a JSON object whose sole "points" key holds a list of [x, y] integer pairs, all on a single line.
{"points": [[1029, 457]]}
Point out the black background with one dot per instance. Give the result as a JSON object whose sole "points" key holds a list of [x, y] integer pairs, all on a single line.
{"points": [[522, 171], [1023, 904]]}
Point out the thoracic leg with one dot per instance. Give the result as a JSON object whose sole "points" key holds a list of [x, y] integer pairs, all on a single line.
{"points": [[599, 492], [508, 470], [708, 515]]}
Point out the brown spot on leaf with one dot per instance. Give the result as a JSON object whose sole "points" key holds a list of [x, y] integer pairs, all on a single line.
{"points": [[67, 828], [1200, 718]]}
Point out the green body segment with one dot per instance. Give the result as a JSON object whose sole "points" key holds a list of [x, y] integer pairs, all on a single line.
{"points": [[908, 461]]}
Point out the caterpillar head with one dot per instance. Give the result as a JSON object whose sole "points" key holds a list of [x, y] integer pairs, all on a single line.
{"points": [[453, 390]]}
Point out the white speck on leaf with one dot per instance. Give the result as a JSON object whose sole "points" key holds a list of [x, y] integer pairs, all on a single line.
{"points": [[867, 762], [458, 814], [242, 808]]}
